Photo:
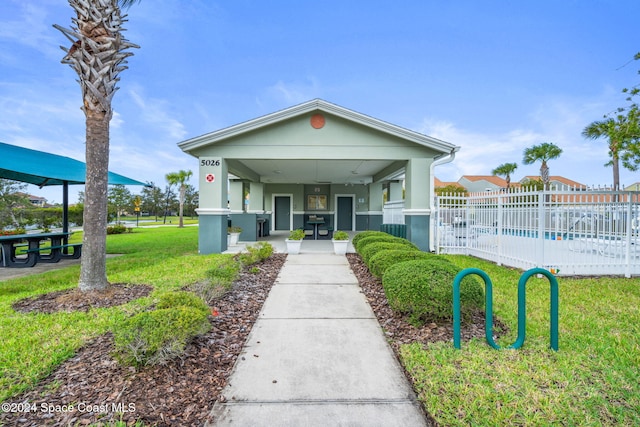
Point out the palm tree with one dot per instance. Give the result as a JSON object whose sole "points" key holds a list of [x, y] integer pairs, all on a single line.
{"points": [[607, 128], [621, 132], [542, 152], [97, 54], [180, 178], [505, 169]]}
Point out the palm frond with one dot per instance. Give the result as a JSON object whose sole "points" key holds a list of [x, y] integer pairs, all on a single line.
{"points": [[128, 3]]}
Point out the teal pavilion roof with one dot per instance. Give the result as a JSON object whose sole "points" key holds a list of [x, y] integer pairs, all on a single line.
{"points": [[43, 169]]}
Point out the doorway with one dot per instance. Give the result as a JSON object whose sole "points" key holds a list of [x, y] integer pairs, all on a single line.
{"points": [[282, 212], [344, 212]]}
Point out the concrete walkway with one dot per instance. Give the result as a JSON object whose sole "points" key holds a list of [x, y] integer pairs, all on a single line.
{"points": [[317, 356]]}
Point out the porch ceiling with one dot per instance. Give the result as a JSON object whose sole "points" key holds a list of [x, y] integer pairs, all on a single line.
{"points": [[280, 171]]}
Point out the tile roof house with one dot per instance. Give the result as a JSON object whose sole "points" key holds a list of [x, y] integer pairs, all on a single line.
{"points": [[479, 183], [441, 184], [483, 183], [556, 181]]}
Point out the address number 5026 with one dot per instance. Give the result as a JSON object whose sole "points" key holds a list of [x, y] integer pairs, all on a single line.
{"points": [[209, 162]]}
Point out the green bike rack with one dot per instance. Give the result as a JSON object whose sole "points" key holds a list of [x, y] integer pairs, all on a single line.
{"points": [[522, 307]]}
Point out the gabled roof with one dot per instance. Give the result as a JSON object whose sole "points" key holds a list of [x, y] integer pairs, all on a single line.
{"points": [[554, 178], [43, 169], [441, 184], [321, 106], [495, 180]]}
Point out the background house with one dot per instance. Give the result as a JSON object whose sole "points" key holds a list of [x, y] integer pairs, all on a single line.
{"points": [[479, 183], [484, 183]]}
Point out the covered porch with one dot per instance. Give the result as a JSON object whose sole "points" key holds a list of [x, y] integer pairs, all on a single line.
{"points": [[315, 166]]}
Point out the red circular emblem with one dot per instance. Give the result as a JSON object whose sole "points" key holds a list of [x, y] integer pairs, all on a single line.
{"points": [[317, 121], [210, 177]]}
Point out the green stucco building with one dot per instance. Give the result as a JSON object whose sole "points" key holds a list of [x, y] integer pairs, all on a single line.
{"points": [[316, 158]]}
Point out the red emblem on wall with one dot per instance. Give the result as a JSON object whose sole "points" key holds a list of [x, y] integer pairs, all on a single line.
{"points": [[317, 121], [210, 177]]}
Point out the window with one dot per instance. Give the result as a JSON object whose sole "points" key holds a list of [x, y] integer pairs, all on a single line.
{"points": [[315, 203]]}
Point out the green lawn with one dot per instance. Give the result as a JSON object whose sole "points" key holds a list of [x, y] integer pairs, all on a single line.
{"points": [[151, 220], [32, 345], [594, 378]]}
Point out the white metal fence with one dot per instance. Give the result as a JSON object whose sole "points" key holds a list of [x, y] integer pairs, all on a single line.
{"points": [[569, 232]]}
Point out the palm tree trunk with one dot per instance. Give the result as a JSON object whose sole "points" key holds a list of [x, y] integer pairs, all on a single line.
{"points": [[616, 173], [97, 54], [182, 192], [544, 175], [93, 270]]}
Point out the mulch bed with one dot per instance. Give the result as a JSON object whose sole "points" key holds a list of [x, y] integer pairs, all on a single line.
{"points": [[75, 300], [398, 330], [182, 392]]}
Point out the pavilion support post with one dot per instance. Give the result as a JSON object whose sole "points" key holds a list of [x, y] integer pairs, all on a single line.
{"points": [[65, 214], [418, 202], [213, 210]]}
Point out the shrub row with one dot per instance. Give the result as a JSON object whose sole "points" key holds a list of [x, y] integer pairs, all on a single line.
{"points": [[155, 337], [255, 254], [220, 279], [417, 284], [423, 290], [118, 229]]}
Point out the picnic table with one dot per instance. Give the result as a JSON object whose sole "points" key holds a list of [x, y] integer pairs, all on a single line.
{"points": [[34, 252], [315, 222]]}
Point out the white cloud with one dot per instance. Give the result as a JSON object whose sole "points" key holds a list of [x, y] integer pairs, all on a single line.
{"points": [[560, 121], [290, 93], [479, 153], [156, 112], [31, 27]]}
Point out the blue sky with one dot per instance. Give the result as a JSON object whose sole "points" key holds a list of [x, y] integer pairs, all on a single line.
{"points": [[493, 77]]}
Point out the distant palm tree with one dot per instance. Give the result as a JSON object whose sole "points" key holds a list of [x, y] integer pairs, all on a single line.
{"points": [[97, 54], [505, 169], [542, 152], [180, 178], [620, 132]]}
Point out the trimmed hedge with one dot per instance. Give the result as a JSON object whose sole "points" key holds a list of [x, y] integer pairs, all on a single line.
{"points": [[382, 237], [379, 239], [118, 229], [367, 233], [373, 248], [423, 289], [382, 260]]}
